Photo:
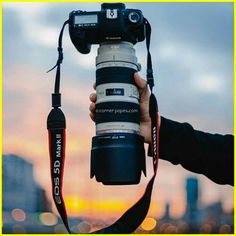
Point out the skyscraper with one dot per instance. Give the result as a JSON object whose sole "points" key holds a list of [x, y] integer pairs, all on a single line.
{"points": [[192, 194], [19, 188]]}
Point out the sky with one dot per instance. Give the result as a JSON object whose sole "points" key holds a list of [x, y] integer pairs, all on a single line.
{"points": [[192, 52]]}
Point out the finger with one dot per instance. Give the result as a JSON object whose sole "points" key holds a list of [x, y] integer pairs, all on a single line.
{"points": [[141, 83], [94, 86], [143, 89], [93, 97], [92, 107], [92, 116]]}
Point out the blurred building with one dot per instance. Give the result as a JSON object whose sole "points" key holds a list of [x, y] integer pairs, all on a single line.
{"points": [[192, 212], [19, 188], [192, 194], [166, 216], [26, 208]]}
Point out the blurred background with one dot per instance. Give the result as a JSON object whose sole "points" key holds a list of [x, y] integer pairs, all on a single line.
{"points": [[192, 50]]}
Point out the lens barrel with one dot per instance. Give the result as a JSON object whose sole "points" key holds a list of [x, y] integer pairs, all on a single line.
{"points": [[117, 155]]}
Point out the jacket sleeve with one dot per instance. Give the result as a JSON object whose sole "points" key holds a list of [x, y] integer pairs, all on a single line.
{"points": [[197, 151]]}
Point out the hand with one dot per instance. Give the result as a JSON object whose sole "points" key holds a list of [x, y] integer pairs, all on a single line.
{"points": [[145, 120]]}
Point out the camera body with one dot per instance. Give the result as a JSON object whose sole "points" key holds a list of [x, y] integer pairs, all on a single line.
{"points": [[117, 154], [112, 23]]}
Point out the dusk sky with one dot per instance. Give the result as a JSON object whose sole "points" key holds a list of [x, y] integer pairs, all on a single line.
{"points": [[192, 51]]}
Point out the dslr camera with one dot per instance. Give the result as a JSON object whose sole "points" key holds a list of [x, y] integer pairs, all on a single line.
{"points": [[112, 23], [117, 154]]}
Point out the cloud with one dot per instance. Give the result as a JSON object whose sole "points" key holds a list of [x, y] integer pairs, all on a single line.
{"points": [[85, 61], [25, 8], [208, 83]]}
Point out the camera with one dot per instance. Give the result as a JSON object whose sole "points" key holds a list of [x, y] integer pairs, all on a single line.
{"points": [[117, 154], [112, 23]]}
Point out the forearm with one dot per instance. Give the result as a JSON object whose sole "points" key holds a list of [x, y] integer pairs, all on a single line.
{"points": [[199, 152]]}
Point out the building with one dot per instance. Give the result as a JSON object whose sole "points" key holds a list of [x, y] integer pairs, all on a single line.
{"points": [[19, 188], [192, 194]]}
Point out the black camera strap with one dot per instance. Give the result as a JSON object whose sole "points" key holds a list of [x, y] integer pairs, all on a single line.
{"points": [[56, 126]]}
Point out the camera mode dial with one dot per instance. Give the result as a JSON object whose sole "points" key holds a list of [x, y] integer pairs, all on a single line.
{"points": [[134, 17]]}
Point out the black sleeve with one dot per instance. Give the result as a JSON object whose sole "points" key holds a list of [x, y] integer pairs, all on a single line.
{"points": [[199, 152]]}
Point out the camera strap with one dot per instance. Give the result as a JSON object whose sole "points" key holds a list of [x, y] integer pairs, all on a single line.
{"points": [[56, 125]]}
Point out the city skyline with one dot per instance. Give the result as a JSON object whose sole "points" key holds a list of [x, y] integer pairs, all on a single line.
{"points": [[32, 214], [192, 48]]}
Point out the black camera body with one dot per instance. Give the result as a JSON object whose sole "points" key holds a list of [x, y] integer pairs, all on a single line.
{"points": [[112, 23]]}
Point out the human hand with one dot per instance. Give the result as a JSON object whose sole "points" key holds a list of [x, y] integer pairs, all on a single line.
{"points": [[145, 120]]}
